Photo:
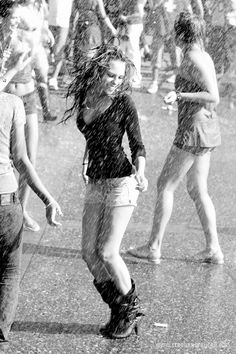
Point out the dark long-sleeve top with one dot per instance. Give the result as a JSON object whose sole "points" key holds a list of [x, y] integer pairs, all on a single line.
{"points": [[104, 136]]}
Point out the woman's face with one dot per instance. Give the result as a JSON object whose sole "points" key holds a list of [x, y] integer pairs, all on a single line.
{"points": [[113, 77]]}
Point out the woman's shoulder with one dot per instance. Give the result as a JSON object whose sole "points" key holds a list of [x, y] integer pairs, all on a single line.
{"points": [[200, 57], [126, 100]]}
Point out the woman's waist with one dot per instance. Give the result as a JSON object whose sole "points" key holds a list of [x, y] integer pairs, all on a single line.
{"points": [[105, 170], [112, 181], [107, 161], [196, 113]]}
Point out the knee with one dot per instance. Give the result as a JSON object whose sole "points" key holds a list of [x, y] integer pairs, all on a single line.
{"points": [[163, 186], [196, 192], [107, 255], [192, 191]]}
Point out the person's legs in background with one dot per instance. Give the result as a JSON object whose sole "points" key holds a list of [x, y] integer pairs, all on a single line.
{"points": [[41, 68], [156, 62], [60, 34], [177, 164], [133, 50], [175, 56]]}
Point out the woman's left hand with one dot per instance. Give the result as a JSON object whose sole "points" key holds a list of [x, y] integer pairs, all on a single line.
{"points": [[51, 210], [142, 182], [171, 97]]}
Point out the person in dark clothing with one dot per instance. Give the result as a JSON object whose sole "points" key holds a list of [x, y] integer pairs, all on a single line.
{"points": [[198, 133], [105, 112], [113, 10]]}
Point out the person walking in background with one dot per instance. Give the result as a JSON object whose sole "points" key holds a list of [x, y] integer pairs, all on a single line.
{"points": [[197, 135], [33, 22], [227, 81], [160, 29], [85, 30], [113, 9], [12, 143], [163, 15], [16, 39], [132, 18], [104, 114], [58, 20]]}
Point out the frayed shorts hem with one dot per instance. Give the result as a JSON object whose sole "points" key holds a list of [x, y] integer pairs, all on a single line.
{"points": [[113, 192]]}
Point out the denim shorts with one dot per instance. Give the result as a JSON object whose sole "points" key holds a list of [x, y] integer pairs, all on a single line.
{"points": [[113, 192], [195, 150]]}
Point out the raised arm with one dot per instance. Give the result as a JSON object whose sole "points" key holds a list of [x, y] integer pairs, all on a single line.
{"points": [[106, 18]]}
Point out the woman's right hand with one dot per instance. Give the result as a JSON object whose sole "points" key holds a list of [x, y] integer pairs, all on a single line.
{"points": [[84, 174], [171, 97]]}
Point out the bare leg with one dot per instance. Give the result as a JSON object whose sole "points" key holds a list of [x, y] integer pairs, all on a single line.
{"points": [[59, 54], [41, 69], [31, 135], [115, 221], [197, 188], [157, 55], [176, 166], [91, 227]]}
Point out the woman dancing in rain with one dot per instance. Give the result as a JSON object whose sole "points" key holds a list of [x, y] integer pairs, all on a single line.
{"points": [[12, 143], [197, 135], [104, 114]]}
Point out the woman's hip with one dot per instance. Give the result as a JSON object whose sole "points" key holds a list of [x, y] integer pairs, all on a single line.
{"points": [[113, 192]]}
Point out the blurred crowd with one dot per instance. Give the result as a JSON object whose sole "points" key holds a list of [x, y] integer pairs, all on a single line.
{"points": [[66, 31]]}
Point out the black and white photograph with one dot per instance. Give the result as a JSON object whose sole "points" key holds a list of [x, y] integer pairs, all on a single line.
{"points": [[117, 176]]}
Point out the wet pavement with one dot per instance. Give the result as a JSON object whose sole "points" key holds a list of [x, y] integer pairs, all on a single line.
{"points": [[59, 310]]}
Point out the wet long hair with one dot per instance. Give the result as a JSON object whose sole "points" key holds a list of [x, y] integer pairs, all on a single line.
{"points": [[189, 28], [6, 6], [91, 71]]}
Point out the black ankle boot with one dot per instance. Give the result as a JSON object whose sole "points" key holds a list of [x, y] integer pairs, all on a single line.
{"points": [[127, 315], [44, 100], [111, 296]]}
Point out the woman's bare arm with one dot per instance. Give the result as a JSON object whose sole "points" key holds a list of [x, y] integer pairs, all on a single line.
{"points": [[106, 18], [26, 169]]}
